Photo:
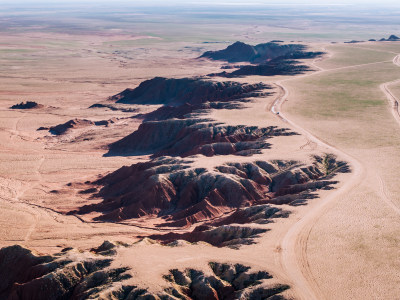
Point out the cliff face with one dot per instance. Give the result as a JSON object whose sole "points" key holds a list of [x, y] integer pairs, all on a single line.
{"points": [[170, 91]]}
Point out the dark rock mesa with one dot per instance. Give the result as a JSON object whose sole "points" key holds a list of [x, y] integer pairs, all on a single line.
{"points": [[170, 189], [71, 274], [27, 105], [175, 92], [65, 275], [188, 110], [176, 137], [267, 59], [354, 42], [228, 281], [115, 107], [271, 68], [221, 236], [219, 232], [75, 124], [177, 128], [392, 38], [261, 53]]}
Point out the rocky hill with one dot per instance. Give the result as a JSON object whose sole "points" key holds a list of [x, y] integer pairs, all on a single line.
{"points": [[175, 92], [70, 125], [185, 137], [187, 110], [392, 38], [171, 189], [72, 274], [27, 105], [261, 53], [271, 68], [69, 274]]}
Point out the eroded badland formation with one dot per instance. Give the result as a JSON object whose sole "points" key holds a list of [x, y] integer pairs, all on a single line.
{"points": [[181, 176]]}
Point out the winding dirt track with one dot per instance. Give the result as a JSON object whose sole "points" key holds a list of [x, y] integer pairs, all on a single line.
{"points": [[293, 256], [392, 98]]}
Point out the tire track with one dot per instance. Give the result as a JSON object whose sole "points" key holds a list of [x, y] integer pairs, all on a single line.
{"points": [[393, 100], [294, 244]]}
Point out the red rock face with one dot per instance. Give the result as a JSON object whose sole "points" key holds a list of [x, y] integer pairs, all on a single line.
{"points": [[66, 275], [187, 110], [222, 236], [169, 189], [228, 281], [195, 136], [175, 92], [72, 274]]}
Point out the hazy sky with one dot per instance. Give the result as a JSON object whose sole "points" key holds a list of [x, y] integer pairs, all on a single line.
{"points": [[316, 2], [218, 2]]}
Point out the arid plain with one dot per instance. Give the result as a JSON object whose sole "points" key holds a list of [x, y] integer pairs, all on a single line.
{"points": [[324, 170]]}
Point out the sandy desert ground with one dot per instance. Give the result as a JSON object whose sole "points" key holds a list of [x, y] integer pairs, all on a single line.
{"points": [[341, 243]]}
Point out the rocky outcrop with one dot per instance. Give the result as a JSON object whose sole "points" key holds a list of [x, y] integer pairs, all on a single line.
{"points": [[392, 38], [354, 42], [222, 236], [115, 107], [72, 274], [272, 68], [76, 124], [228, 281], [221, 233], [187, 137], [261, 53], [181, 195], [69, 125], [267, 59], [187, 110], [237, 52], [170, 112], [175, 92], [27, 105], [66, 275]]}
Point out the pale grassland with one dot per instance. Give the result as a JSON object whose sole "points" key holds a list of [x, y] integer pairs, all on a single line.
{"points": [[359, 233], [395, 89], [383, 46], [349, 55], [350, 102]]}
